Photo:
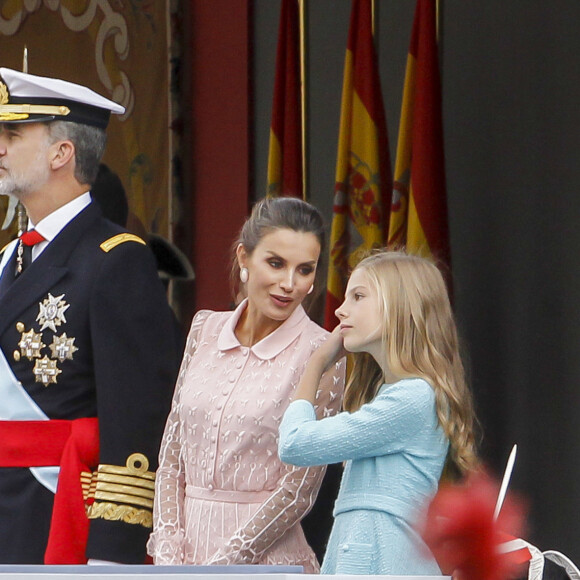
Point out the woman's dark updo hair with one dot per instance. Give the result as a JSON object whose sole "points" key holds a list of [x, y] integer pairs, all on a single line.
{"points": [[277, 213]]}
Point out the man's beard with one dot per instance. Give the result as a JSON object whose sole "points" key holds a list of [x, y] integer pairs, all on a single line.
{"points": [[20, 183]]}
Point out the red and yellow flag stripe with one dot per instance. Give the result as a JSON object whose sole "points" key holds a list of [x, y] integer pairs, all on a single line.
{"points": [[285, 172], [419, 207], [363, 179]]}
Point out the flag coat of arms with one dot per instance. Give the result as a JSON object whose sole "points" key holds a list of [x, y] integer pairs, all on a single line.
{"points": [[363, 176]]}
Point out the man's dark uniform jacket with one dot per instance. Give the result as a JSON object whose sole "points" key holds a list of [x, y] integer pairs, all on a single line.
{"points": [[87, 331]]}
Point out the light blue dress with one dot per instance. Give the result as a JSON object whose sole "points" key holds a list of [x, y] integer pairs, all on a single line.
{"points": [[394, 450]]}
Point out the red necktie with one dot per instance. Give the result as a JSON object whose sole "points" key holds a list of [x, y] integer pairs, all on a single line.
{"points": [[24, 255], [31, 238]]}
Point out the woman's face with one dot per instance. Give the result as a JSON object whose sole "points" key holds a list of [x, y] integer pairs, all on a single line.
{"points": [[281, 270], [360, 316]]}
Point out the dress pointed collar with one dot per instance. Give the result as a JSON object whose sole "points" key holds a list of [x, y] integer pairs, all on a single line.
{"points": [[271, 345]]}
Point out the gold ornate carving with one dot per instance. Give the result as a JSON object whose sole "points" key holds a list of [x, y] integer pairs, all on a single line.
{"points": [[124, 513], [112, 28]]}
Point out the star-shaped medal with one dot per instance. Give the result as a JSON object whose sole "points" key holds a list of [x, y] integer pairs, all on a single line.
{"points": [[46, 371], [52, 311], [31, 344], [63, 347]]}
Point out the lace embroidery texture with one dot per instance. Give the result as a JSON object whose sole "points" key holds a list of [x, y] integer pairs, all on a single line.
{"points": [[221, 437]]}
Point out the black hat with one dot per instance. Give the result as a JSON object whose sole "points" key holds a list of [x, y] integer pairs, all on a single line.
{"points": [[27, 98]]}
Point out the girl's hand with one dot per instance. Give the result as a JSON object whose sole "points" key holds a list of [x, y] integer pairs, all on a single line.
{"points": [[330, 352], [321, 360]]}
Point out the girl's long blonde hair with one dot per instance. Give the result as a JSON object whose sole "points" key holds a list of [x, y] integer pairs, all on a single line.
{"points": [[420, 340]]}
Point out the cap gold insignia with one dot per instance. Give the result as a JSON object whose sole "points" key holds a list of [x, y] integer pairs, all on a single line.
{"points": [[6, 115], [3, 93], [46, 371], [31, 344], [52, 311], [62, 347]]}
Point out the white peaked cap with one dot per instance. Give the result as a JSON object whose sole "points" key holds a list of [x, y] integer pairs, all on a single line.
{"points": [[27, 98]]}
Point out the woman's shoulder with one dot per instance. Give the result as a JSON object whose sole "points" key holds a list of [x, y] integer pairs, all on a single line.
{"points": [[211, 317], [203, 315]]}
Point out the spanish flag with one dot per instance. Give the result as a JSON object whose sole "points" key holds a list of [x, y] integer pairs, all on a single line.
{"points": [[362, 192], [285, 152], [419, 207]]}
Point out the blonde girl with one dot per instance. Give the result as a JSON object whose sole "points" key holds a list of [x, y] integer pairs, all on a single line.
{"points": [[408, 413]]}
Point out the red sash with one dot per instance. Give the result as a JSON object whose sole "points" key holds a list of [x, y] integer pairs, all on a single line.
{"points": [[72, 445]]}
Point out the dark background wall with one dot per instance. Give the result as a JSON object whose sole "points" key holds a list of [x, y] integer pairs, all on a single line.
{"points": [[511, 98]]}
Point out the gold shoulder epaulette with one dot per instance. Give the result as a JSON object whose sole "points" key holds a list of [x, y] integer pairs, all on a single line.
{"points": [[113, 242]]}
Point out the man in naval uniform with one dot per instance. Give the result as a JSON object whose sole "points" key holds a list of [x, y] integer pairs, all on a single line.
{"points": [[89, 349]]}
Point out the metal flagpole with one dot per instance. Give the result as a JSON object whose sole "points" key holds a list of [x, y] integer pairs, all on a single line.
{"points": [[22, 220], [437, 18], [302, 27]]}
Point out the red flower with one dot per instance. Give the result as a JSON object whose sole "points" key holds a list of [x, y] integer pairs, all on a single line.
{"points": [[462, 534]]}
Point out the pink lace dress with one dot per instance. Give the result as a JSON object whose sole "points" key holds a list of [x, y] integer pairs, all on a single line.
{"points": [[222, 494]]}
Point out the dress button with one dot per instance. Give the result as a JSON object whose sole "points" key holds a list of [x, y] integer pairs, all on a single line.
{"points": [[219, 407], [239, 364], [232, 379], [345, 547], [215, 423], [210, 487], [16, 355], [212, 439], [244, 350]]}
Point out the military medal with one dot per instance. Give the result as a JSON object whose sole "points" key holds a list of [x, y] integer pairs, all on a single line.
{"points": [[31, 344], [46, 371], [62, 347], [52, 312]]}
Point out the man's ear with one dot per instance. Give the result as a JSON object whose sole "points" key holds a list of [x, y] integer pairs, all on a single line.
{"points": [[61, 153]]}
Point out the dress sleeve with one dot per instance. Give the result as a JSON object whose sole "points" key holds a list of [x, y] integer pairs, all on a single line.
{"points": [[383, 426], [294, 495], [165, 544]]}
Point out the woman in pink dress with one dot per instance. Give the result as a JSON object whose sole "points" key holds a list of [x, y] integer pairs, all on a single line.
{"points": [[222, 495]]}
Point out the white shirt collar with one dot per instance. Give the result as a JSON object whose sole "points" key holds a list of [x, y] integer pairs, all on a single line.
{"points": [[50, 226]]}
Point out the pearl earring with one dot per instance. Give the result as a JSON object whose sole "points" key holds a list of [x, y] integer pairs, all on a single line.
{"points": [[310, 289], [243, 275]]}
